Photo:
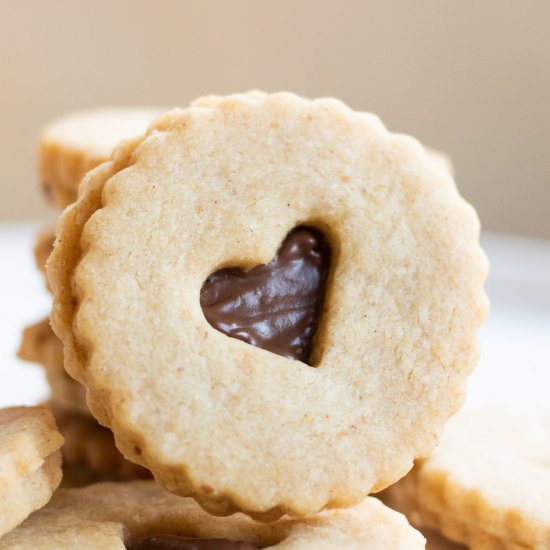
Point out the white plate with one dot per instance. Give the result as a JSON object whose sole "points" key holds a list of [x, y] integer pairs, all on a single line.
{"points": [[515, 342], [515, 358]]}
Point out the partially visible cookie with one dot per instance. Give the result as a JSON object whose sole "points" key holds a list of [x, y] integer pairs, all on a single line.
{"points": [[40, 345], [88, 446], [141, 515], [74, 144], [30, 462], [487, 485], [91, 449]]}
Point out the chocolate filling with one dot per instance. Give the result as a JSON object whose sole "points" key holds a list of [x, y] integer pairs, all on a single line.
{"points": [[275, 306], [173, 542]]}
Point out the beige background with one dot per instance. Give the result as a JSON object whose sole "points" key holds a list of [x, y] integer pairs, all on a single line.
{"points": [[471, 77]]}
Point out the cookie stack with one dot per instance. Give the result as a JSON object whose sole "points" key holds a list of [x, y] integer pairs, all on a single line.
{"points": [[67, 149], [272, 304]]}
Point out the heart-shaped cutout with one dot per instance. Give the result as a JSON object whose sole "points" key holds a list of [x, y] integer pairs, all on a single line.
{"points": [[275, 306]]}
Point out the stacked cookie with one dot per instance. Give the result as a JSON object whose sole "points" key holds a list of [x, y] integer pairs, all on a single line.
{"points": [[67, 149], [272, 305], [487, 484]]}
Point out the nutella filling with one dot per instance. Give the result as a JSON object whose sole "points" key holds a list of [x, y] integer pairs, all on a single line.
{"points": [[275, 306], [173, 542]]}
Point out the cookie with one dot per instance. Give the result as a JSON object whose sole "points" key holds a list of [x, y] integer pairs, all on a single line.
{"points": [[30, 462], [142, 516], [168, 273], [487, 484], [75, 143], [40, 345], [90, 449]]}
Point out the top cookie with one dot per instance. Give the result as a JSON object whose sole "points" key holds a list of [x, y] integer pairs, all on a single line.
{"points": [[219, 186], [70, 146], [30, 462]]}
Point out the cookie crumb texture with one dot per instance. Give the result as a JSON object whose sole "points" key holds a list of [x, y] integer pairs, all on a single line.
{"points": [[221, 184], [487, 484], [119, 515]]}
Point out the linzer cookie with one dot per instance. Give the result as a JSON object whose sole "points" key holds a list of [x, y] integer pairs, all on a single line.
{"points": [[487, 484], [30, 463], [142, 516], [70, 146], [273, 302]]}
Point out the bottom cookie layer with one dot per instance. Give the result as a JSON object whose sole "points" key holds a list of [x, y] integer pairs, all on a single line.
{"points": [[120, 515]]}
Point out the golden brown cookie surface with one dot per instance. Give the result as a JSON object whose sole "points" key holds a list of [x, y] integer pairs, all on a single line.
{"points": [[120, 515], [30, 462], [221, 184], [71, 145]]}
